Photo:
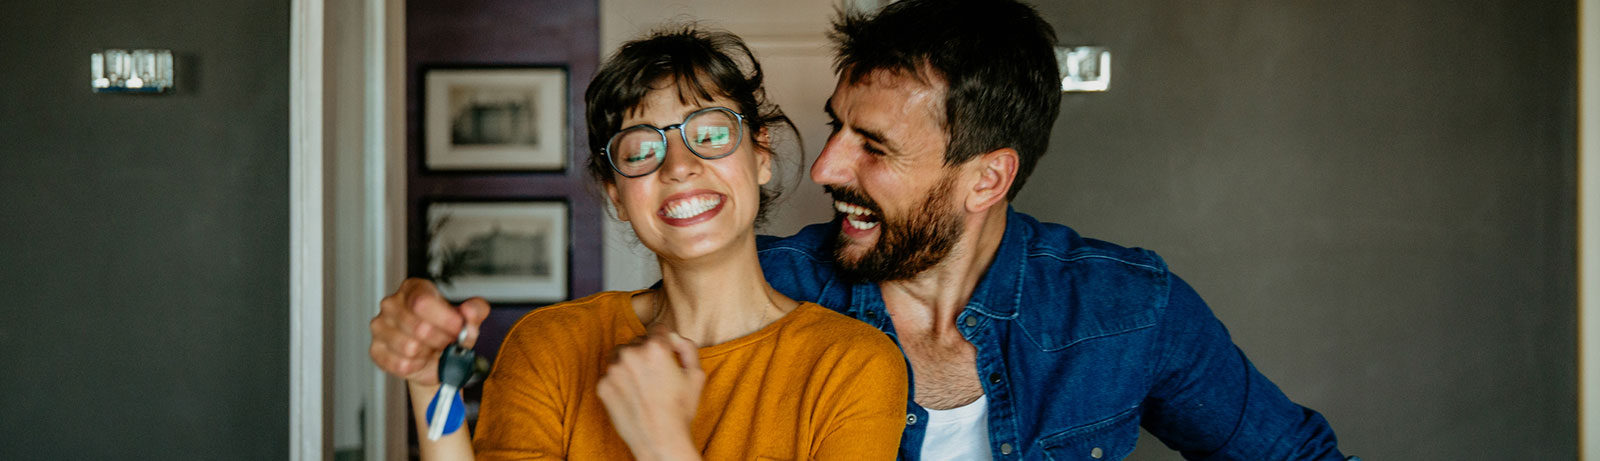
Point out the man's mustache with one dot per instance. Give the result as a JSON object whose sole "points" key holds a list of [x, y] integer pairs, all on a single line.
{"points": [[853, 197]]}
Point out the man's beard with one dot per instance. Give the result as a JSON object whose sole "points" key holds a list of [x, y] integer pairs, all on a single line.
{"points": [[905, 246]]}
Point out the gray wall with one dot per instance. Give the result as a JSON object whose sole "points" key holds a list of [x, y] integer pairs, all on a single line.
{"points": [[144, 239], [1376, 197]]}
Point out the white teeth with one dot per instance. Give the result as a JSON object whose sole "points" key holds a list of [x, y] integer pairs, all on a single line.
{"points": [[853, 215], [861, 225], [850, 209], [693, 206]]}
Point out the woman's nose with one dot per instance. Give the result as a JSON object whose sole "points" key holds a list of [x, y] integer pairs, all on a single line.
{"points": [[680, 164]]}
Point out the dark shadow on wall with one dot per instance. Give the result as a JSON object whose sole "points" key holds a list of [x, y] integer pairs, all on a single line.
{"points": [[144, 257]]}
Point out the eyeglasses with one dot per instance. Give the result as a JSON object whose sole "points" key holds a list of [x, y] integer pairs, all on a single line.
{"points": [[710, 133]]}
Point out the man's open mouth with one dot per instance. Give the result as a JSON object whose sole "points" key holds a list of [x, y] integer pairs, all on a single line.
{"points": [[857, 216]]}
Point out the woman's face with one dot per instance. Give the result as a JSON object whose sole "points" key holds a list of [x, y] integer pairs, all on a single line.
{"points": [[691, 207]]}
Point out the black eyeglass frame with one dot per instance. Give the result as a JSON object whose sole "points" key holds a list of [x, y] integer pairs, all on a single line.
{"points": [[682, 134]]}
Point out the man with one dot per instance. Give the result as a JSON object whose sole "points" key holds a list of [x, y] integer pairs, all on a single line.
{"points": [[1024, 340]]}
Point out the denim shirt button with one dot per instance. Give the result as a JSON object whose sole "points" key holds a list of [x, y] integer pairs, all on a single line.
{"points": [[972, 321], [1096, 453], [994, 378], [911, 418], [1005, 448]]}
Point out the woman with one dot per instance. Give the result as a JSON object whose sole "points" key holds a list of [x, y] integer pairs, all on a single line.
{"points": [[714, 363]]}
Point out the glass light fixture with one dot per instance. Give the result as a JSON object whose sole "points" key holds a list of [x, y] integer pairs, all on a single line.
{"points": [[1084, 68], [138, 71]]}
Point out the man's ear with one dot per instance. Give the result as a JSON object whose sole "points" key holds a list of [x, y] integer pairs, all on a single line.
{"points": [[993, 174], [611, 192], [764, 157]]}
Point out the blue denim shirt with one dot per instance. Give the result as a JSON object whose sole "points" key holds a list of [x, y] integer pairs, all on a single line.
{"points": [[1079, 342]]}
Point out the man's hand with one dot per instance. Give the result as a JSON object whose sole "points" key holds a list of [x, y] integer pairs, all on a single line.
{"points": [[415, 324], [651, 391]]}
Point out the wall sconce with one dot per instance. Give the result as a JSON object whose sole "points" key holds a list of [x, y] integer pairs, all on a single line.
{"points": [[138, 71], [1084, 68]]}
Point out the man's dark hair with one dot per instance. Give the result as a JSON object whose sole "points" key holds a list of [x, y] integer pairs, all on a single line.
{"points": [[703, 64], [996, 57]]}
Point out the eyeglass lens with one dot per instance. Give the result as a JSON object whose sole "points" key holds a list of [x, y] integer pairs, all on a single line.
{"points": [[709, 134]]}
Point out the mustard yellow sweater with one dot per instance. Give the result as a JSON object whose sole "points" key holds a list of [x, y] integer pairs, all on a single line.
{"points": [[812, 385]]}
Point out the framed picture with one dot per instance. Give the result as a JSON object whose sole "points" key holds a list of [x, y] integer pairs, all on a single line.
{"points": [[506, 252], [495, 119]]}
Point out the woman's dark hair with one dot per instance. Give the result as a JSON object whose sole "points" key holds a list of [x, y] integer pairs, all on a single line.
{"points": [[704, 64]]}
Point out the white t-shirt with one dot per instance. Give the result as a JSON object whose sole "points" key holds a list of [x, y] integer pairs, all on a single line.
{"points": [[960, 433]]}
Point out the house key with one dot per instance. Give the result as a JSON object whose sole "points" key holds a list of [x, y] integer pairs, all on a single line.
{"points": [[457, 365]]}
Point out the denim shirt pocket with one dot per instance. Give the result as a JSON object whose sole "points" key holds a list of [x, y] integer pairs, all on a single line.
{"points": [[1111, 438]]}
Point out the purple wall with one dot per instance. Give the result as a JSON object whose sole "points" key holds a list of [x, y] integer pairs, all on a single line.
{"points": [[505, 33]]}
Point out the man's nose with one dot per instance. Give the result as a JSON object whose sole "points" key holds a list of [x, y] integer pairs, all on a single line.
{"points": [[834, 166]]}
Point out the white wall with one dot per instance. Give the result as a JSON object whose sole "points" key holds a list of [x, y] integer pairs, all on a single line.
{"points": [[351, 309], [363, 126]]}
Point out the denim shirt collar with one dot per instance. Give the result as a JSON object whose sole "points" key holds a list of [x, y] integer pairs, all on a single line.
{"points": [[1000, 291], [997, 295]]}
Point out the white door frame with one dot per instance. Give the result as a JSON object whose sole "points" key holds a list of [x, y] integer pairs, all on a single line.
{"points": [[385, 202], [1589, 229], [378, 128], [309, 422]]}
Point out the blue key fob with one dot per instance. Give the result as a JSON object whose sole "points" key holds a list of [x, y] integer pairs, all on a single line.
{"points": [[457, 415]]}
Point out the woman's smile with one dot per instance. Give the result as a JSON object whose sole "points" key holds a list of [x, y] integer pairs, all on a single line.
{"points": [[689, 208]]}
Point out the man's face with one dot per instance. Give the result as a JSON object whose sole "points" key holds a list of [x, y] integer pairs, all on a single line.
{"points": [[884, 166]]}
